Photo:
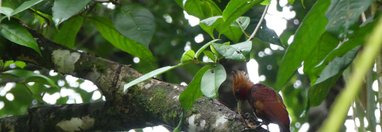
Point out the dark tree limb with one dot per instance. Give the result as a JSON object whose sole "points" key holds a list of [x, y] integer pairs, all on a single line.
{"points": [[151, 101]]}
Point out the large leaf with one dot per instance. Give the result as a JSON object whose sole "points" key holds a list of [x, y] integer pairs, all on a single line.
{"points": [[108, 31], [193, 90], [212, 79], [329, 76], [342, 14], [64, 9], [234, 52], [67, 33], [18, 34], [148, 76], [136, 23], [202, 8], [305, 40], [353, 41], [328, 43]]}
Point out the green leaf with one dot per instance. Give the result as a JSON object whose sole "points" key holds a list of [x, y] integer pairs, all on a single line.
{"points": [[212, 79], [201, 49], [6, 11], [342, 14], [67, 33], [236, 8], [243, 22], [329, 76], [193, 90], [188, 56], [353, 41], [328, 43], [210, 55], [18, 34], [27, 76], [202, 8], [234, 52], [136, 23], [64, 9], [108, 31], [209, 24], [148, 76], [305, 40], [26, 5]]}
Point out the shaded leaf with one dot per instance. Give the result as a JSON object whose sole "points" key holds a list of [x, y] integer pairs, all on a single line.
{"points": [[329, 76], [306, 38], [342, 14], [67, 33], [136, 23], [212, 79], [64, 9], [27, 76], [18, 34], [234, 52], [193, 90], [354, 40]]}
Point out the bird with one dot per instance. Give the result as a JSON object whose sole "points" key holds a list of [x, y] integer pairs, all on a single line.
{"points": [[264, 101]]}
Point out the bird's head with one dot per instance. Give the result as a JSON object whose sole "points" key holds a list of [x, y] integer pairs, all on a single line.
{"points": [[241, 85]]}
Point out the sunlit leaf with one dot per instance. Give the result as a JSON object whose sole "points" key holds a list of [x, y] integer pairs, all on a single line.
{"points": [[148, 76], [6, 11], [212, 79], [64, 9], [188, 56], [193, 90], [18, 34], [234, 52]]}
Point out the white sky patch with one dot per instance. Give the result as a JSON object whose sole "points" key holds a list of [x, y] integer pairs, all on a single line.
{"points": [[304, 127], [2, 104], [51, 98], [4, 90], [199, 38], [52, 73], [192, 20], [96, 95], [88, 86], [136, 60], [10, 96], [72, 81], [167, 18], [253, 70], [187, 46]]}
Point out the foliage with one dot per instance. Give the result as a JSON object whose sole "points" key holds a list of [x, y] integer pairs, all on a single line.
{"points": [[325, 37]]}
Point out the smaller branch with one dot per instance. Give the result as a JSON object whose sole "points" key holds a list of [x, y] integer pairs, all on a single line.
{"points": [[259, 23]]}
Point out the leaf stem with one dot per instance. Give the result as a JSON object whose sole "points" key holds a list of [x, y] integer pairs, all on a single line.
{"points": [[259, 23]]}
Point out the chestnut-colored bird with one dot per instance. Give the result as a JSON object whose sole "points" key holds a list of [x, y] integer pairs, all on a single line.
{"points": [[265, 102]]}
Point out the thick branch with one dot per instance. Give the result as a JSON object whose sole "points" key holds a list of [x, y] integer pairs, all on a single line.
{"points": [[151, 101]]}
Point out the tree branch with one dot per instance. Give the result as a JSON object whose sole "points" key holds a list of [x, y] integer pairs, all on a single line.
{"points": [[151, 101]]}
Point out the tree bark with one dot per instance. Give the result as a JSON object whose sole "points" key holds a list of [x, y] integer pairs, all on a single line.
{"points": [[152, 102]]}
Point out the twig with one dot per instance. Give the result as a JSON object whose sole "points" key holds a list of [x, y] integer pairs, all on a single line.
{"points": [[259, 23]]}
